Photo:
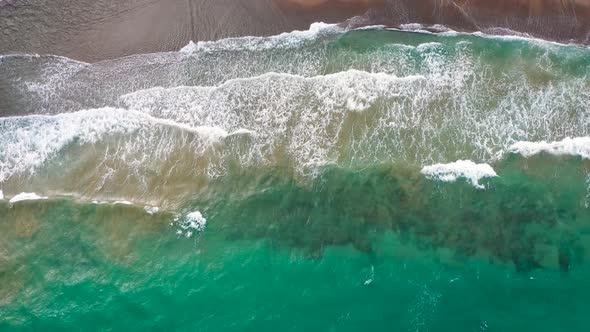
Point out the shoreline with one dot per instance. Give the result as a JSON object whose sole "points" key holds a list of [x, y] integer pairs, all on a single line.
{"points": [[92, 31]]}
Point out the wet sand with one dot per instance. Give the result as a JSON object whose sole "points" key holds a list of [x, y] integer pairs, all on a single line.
{"points": [[558, 20], [90, 30]]}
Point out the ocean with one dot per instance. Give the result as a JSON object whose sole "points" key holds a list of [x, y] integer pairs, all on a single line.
{"points": [[322, 180]]}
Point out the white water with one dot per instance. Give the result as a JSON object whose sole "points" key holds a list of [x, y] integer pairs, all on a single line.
{"points": [[151, 209], [291, 39], [26, 197], [346, 118], [30, 141], [508, 35], [305, 107], [304, 114], [578, 146], [466, 169], [191, 223]]}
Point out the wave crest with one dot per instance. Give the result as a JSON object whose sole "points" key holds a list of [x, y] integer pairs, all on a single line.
{"points": [[578, 146], [466, 169]]}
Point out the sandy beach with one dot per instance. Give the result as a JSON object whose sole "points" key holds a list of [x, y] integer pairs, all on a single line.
{"points": [[91, 31]]}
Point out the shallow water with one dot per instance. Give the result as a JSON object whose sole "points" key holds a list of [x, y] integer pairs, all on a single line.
{"points": [[317, 180]]}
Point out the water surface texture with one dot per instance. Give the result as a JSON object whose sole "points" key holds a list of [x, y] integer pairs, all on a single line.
{"points": [[319, 180]]}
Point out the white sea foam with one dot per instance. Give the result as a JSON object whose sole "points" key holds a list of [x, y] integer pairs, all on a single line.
{"points": [[26, 197], [411, 26], [428, 46], [212, 113], [353, 89], [372, 27], [291, 39], [278, 109], [97, 202], [455, 106], [37, 56], [521, 37], [148, 209], [29, 141], [409, 118], [191, 223], [122, 203], [466, 169], [243, 131], [55, 75], [151, 209], [578, 146], [351, 116], [508, 35]]}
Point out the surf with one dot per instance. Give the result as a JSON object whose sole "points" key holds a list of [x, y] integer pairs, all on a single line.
{"points": [[411, 172]]}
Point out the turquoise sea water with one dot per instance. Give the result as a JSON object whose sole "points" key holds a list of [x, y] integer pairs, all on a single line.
{"points": [[325, 180]]}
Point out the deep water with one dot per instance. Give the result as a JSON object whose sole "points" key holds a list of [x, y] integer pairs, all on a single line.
{"points": [[324, 180]]}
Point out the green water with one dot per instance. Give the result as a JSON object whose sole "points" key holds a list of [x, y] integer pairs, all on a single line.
{"points": [[306, 160], [377, 249]]}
